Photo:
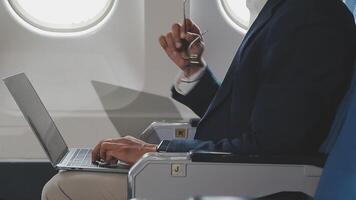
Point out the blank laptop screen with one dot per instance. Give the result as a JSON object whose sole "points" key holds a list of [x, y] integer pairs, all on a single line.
{"points": [[37, 116]]}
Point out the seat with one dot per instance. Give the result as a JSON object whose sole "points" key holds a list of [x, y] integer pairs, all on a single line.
{"points": [[339, 178]]}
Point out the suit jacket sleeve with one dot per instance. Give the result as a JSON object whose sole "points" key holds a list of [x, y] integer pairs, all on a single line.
{"points": [[302, 75], [198, 100]]}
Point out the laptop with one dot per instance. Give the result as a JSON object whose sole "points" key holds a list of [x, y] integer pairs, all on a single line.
{"points": [[43, 126]]}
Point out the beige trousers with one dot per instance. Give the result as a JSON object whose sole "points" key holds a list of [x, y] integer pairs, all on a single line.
{"points": [[70, 185]]}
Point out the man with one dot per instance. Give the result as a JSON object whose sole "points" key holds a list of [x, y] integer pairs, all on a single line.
{"points": [[279, 96]]}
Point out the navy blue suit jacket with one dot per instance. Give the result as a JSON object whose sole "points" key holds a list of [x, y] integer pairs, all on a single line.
{"points": [[282, 90]]}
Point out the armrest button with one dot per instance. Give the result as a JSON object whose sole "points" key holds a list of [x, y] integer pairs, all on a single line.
{"points": [[181, 133], [178, 170]]}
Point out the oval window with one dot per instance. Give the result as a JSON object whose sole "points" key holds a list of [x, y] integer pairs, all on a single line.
{"points": [[238, 12], [62, 15]]}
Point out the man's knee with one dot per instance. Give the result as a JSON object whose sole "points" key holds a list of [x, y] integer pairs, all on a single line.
{"points": [[68, 185], [52, 190]]}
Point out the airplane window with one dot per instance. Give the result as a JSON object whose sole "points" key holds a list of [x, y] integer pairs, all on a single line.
{"points": [[238, 12], [62, 15]]}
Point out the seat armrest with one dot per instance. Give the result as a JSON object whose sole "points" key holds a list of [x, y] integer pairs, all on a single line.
{"points": [[180, 177], [180, 130], [223, 157]]}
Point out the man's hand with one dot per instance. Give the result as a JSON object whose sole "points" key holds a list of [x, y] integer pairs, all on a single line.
{"points": [[127, 149], [172, 42]]}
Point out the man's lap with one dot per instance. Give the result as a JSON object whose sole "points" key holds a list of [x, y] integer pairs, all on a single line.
{"points": [[86, 185]]}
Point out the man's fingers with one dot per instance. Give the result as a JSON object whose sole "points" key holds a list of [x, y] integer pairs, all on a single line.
{"points": [[100, 150], [107, 146], [95, 152], [191, 27], [169, 51], [195, 40], [190, 37], [170, 41], [176, 32], [110, 157], [163, 42]]}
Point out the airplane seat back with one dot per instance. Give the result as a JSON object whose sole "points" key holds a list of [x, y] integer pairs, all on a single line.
{"points": [[338, 180], [338, 123]]}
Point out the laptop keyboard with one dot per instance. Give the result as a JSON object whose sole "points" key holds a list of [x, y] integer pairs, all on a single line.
{"points": [[81, 157]]}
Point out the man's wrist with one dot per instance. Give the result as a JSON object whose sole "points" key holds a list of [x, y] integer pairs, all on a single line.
{"points": [[194, 68], [183, 85]]}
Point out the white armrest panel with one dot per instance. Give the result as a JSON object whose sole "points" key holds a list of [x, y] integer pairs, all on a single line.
{"points": [[176, 177]]}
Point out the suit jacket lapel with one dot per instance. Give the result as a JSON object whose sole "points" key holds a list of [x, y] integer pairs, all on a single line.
{"points": [[259, 23]]}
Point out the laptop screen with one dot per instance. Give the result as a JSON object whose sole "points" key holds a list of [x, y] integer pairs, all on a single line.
{"points": [[37, 116]]}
